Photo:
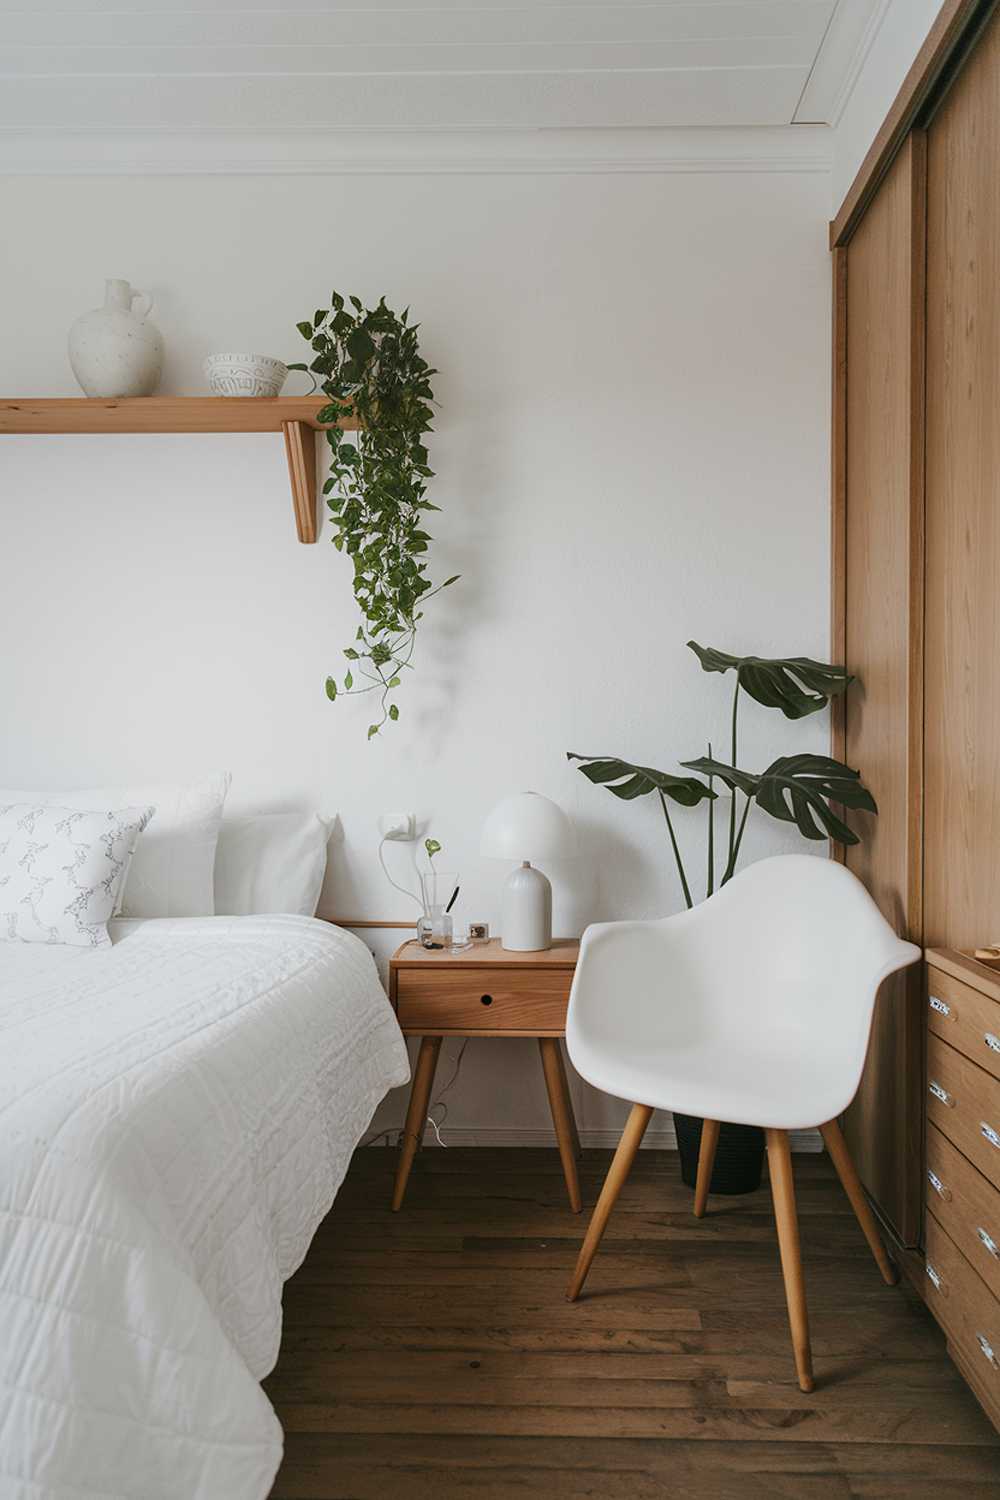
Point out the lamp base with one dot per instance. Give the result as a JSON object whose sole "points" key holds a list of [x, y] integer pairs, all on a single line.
{"points": [[526, 921]]}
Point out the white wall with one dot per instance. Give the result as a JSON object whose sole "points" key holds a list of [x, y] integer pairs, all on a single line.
{"points": [[900, 35], [632, 450]]}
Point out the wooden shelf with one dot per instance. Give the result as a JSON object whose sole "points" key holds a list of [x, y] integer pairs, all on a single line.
{"points": [[293, 416]]}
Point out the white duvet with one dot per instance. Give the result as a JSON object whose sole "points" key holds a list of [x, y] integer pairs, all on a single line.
{"points": [[176, 1114]]}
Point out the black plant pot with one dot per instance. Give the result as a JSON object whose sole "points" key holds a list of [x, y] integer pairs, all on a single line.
{"points": [[739, 1156]]}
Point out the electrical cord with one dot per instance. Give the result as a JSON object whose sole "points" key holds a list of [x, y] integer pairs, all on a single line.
{"points": [[438, 1125]]}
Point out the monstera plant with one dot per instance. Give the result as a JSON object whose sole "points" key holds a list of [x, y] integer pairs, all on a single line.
{"points": [[806, 790], [802, 789]]}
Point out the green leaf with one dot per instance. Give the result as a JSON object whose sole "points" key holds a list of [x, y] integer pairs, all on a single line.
{"points": [[296, 367], [305, 329], [795, 684], [433, 847], [372, 730], [349, 681], [331, 689], [453, 579], [393, 682], [799, 789], [628, 781], [350, 653], [393, 712]]}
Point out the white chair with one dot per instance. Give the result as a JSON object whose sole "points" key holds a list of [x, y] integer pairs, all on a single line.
{"points": [[755, 1008]]}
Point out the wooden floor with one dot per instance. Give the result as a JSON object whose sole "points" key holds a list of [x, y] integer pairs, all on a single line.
{"points": [[431, 1355]]}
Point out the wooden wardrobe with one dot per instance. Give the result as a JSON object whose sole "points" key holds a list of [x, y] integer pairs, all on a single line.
{"points": [[916, 615]]}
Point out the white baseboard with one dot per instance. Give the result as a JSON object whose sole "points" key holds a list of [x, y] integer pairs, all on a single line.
{"points": [[662, 1138]]}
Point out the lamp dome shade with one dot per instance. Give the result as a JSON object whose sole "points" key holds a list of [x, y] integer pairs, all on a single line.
{"points": [[527, 826]]}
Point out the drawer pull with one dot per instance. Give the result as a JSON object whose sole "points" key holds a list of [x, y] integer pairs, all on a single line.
{"points": [[941, 1006], [486, 999], [989, 1134], [989, 1242], [939, 1093], [993, 1042], [938, 1186], [933, 1276], [987, 1349]]}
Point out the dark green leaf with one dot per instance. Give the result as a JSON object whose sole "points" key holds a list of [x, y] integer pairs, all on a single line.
{"points": [[795, 684], [331, 689], [305, 329], [799, 789], [393, 712], [628, 781], [350, 653]]}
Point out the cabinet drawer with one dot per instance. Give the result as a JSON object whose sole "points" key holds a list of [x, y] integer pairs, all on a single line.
{"points": [[966, 1205], [482, 999], [964, 1103], [964, 1018], [966, 1309]]}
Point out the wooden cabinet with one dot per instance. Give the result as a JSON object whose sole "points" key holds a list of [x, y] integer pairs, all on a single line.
{"points": [[916, 615]]}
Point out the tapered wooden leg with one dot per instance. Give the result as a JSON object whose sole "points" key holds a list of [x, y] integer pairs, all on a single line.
{"points": [[629, 1144], [851, 1183], [779, 1161], [416, 1114], [706, 1161], [574, 1133], [562, 1115]]}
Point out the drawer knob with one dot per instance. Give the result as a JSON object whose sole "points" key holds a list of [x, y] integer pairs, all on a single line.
{"points": [[934, 1277], [989, 1242], [987, 1349], [939, 1093], [993, 1042], [486, 999], [941, 1006], [989, 1134], [938, 1186]]}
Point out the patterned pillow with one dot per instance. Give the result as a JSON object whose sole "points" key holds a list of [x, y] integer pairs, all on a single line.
{"points": [[61, 870]]}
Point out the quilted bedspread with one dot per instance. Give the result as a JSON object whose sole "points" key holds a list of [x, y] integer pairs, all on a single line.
{"points": [[177, 1113]]}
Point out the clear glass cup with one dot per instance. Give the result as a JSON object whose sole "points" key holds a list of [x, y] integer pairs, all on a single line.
{"points": [[437, 887]]}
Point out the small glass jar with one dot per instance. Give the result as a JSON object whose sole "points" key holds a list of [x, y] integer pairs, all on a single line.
{"points": [[434, 928]]}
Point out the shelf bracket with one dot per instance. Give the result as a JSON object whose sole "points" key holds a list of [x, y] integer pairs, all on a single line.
{"points": [[300, 450]]}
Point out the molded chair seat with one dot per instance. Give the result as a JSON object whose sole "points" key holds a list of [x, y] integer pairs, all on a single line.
{"points": [[754, 1008]]}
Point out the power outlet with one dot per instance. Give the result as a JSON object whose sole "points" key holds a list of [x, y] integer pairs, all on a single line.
{"points": [[401, 827]]}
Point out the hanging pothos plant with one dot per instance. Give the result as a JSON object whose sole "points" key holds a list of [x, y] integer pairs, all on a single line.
{"points": [[367, 363]]}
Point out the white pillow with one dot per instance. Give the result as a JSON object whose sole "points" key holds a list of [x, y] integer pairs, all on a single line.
{"points": [[172, 872], [61, 870], [273, 862]]}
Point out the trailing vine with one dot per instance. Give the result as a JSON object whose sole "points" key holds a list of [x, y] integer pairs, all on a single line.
{"points": [[367, 362]]}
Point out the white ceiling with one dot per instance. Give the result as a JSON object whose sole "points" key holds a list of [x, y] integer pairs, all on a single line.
{"points": [[419, 65]]}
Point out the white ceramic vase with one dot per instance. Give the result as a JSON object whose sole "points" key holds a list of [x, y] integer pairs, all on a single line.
{"points": [[115, 351]]}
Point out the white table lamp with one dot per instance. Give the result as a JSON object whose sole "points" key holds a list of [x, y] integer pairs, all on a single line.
{"points": [[527, 827]]}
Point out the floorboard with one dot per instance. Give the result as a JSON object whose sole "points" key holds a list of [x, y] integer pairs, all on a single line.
{"points": [[431, 1355]]}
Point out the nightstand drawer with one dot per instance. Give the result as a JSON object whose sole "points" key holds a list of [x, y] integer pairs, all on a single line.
{"points": [[965, 1018], [964, 1103], [482, 998]]}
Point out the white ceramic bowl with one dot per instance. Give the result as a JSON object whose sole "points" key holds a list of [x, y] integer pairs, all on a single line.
{"points": [[244, 374]]}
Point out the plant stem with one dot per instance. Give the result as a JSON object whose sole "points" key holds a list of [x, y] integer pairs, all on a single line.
{"points": [[677, 852], [731, 867], [732, 762], [710, 887]]}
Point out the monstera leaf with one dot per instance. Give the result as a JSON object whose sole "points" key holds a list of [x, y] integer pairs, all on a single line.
{"points": [[795, 684], [637, 781], [799, 789]]}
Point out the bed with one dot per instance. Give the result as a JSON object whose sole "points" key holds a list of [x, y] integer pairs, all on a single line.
{"points": [[177, 1112]]}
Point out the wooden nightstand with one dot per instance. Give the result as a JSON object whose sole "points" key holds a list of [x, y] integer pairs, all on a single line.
{"points": [[485, 991]]}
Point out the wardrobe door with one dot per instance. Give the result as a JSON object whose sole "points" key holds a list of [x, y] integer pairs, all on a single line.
{"points": [[882, 402], [962, 849]]}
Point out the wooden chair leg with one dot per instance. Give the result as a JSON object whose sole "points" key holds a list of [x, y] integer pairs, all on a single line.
{"points": [[706, 1161], [841, 1158], [562, 1115], [779, 1160], [620, 1167], [416, 1114]]}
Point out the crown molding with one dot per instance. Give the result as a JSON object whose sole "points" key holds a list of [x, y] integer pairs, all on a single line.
{"points": [[787, 148]]}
